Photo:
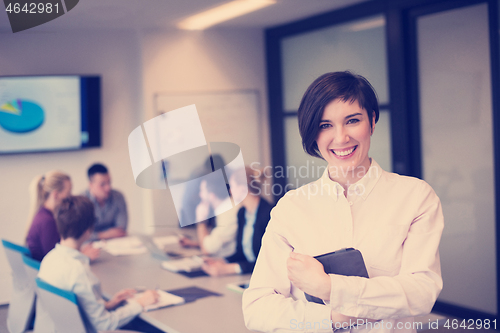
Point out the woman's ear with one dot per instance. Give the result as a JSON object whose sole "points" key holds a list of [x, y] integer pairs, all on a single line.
{"points": [[373, 122]]}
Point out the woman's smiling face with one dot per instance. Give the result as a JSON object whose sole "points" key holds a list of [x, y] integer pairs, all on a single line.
{"points": [[344, 136]]}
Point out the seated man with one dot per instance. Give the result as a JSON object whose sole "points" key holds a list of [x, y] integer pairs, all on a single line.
{"points": [[109, 204], [65, 267]]}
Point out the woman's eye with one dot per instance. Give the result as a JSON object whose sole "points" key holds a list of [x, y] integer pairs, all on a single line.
{"points": [[323, 126], [353, 121]]}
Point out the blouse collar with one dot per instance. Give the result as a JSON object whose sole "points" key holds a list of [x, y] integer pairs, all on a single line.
{"points": [[362, 187]]}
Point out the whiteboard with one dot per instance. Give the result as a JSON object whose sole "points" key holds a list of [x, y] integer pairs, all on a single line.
{"points": [[226, 116]]}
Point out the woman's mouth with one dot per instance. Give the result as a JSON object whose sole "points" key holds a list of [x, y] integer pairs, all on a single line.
{"points": [[344, 152]]}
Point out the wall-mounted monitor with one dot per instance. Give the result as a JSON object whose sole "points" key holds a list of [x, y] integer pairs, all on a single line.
{"points": [[49, 113]]}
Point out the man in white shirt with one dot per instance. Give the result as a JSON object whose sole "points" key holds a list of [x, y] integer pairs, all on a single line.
{"points": [[65, 267]]}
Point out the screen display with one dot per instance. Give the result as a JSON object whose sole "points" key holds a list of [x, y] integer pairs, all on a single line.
{"points": [[47, 113]]}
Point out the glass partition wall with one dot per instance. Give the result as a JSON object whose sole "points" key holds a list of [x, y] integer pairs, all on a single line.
{"points": [[457, 146]]}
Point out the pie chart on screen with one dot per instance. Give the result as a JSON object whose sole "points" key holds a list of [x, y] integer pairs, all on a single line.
{"points": [[21, 116]]}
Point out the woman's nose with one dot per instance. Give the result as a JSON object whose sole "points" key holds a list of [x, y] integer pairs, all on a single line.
{"points": [[341, 135]]}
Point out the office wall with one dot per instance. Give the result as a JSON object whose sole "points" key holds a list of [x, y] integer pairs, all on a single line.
{"points": [[213, 60], [133, 67], [117, 58]]}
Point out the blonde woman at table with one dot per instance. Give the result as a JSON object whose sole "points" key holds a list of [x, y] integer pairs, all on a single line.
{"points": [[47, 192], [394, 221]]}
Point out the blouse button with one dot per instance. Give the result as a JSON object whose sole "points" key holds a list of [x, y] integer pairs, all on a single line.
{"points": [[350, 203]]}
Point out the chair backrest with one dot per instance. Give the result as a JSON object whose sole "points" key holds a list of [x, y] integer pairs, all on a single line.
{"points": [[22, 302], [58, 310], [14, 254], [31, 267]]}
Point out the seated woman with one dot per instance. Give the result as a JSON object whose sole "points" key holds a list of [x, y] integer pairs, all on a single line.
{"points": [[252, 222], [47, 192]]}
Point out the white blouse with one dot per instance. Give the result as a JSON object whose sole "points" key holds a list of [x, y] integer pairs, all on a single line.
{"points": [[395, 221], [221, 242]]}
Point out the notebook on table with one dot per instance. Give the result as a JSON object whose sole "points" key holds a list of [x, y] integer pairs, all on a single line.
{"points": [[191, 294], [189, 264], [348, 262], [166, 299]]}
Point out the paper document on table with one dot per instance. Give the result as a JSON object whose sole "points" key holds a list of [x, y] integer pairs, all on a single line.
{"points": [[160, 242], [124, 246], [166, 299], [185, 264]]}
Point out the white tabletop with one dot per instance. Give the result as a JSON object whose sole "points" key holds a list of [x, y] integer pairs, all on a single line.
{"points": [[210, 314]]}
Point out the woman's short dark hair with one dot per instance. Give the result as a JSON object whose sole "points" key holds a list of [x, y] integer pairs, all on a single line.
{"points": [[74, 216], [345, 86]]}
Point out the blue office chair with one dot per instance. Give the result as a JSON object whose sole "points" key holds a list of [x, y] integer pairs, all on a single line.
{"points": [[31, 266], [21, 306], [58, 311]]}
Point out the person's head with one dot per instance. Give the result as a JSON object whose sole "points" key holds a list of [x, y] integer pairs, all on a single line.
{"points": [[54, 185], [213, 191], [243, 181], [99, 181], [337, 114], [75, 217]]}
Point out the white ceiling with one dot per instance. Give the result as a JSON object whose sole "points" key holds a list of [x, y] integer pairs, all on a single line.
{"points": [[164, 14]]}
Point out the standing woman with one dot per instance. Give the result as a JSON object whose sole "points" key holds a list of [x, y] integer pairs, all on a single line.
{"points": [[394, 221], [46, 192]]}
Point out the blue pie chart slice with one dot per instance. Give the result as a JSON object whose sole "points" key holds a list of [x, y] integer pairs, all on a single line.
{"points": [[21, 116]]}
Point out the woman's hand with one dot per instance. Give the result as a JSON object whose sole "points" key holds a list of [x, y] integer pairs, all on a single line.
{"points": [[188, 242], [218, 267], [342, 321], [148, 297], [90, 251], [308, 274], [118, 298]]}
